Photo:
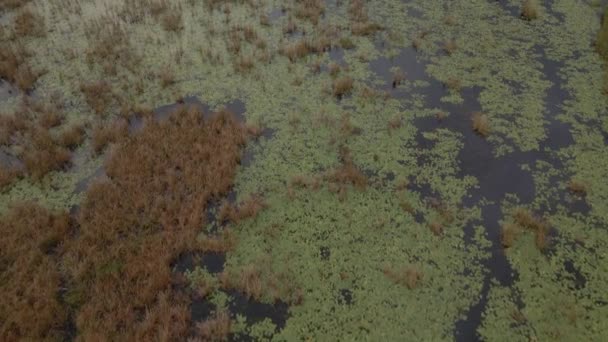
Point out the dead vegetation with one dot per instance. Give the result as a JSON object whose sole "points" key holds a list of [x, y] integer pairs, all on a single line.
{"points": [[32, 242], [410, 276], [481, 124]]}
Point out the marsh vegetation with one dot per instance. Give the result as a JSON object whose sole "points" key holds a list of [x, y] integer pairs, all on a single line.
{"points": [[285, 170]]}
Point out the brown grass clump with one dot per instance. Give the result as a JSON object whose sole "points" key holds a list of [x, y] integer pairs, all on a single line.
{"points": [[346, 43], [453, 84], [248, 208], [14, 66], [29, 23], [530, 9], [216, 328], [508, 234], [222, 243], [137, 222], [436, 228], [398, 77], [8, 174], [244, 64], [12, 4], [49, 119], [577, 187], [450, 47], [525, 219], [98, 95], [347, 174], [365, 28], [410, 276], [166, 76], [395, 123], [450, 20], [32, 240], [342, 86], [42, 154], [360, 24], [310, 10], [72, 136], [481, 124], [110, 133], [110, 46], [297, 50], [172, 21]]}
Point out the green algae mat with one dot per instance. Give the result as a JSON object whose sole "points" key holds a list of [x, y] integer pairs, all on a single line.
{"points": [[303, 170]]}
